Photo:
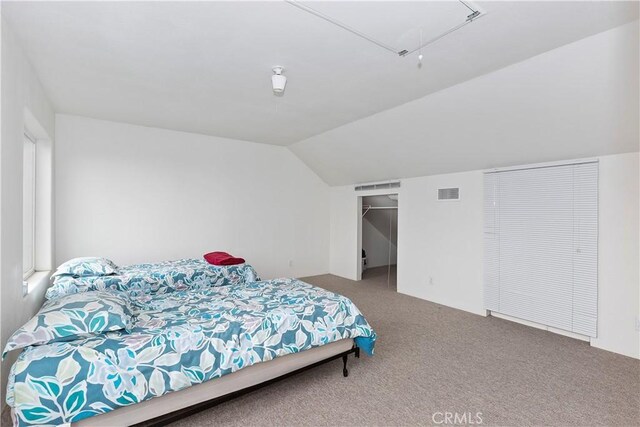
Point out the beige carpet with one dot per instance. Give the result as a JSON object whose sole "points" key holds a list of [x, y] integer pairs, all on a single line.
{"points": [[431, 359]]}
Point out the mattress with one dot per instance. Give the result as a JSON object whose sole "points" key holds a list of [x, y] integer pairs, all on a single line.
{"points": [[179, 339]]}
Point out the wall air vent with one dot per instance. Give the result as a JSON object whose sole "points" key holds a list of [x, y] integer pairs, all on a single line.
{"points": [[448, 194], [378, 186]]}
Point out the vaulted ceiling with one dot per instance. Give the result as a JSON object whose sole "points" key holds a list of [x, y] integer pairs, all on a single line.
{"points": [[205, 67], [580, 100]]}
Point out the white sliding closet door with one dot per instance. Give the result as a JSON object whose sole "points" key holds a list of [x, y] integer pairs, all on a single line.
{"points": [[541, 245]]}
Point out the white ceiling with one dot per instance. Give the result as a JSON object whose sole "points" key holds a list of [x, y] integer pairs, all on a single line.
{"points": [[579, 100], [205, 66]]}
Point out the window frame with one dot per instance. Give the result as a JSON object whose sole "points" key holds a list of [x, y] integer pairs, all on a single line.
{"points": [[28, 138]]}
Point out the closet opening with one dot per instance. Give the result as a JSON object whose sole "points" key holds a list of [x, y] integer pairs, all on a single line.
{"points": [[378, 240]]}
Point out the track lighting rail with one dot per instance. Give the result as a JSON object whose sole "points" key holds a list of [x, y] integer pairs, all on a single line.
{"points": [[475, 14]]}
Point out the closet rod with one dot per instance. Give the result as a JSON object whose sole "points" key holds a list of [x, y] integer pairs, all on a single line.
{"points": [[367, 207]]}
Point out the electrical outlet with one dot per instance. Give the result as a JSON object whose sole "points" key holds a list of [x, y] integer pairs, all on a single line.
{"points": [[637, 323], [290, 263], [430, 281]]}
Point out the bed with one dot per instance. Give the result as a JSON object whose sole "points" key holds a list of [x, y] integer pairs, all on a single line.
{"points": [[139, 280], [175, 406], [186, 345]]}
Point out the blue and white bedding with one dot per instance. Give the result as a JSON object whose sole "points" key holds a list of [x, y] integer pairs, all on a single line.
{"points": [[178, 339], [143, 280], [73, 317]]}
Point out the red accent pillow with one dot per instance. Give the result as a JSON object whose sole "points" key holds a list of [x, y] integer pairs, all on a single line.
{"points": [[222, 258]]}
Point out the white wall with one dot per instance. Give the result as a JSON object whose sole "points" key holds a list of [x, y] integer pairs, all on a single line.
{"points": [[440, 245], [343, 234], [136, 194], [618, 254], [23, 99]]}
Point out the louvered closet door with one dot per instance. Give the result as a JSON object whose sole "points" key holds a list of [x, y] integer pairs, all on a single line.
{"points": [[541, 228]]}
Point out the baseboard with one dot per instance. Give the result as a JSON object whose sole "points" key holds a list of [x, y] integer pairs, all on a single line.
{"points": [[541, 326]]}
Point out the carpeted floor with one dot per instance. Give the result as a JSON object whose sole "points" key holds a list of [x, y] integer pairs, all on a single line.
{"points": [[430, 360]]}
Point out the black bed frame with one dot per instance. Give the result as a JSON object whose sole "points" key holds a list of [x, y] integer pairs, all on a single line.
{"points": [[190, 410]]}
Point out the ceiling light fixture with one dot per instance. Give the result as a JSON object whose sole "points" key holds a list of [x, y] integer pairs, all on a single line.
{"points": [[278, 81]]}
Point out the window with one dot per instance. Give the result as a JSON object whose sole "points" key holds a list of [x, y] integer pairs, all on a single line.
{"points": [[29, 206]]}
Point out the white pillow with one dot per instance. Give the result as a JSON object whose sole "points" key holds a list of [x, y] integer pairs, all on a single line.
{"points": [[86, 266]]}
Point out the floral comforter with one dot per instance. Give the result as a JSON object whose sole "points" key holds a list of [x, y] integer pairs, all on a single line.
{"points": [[162, 277], [179, 339]]}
